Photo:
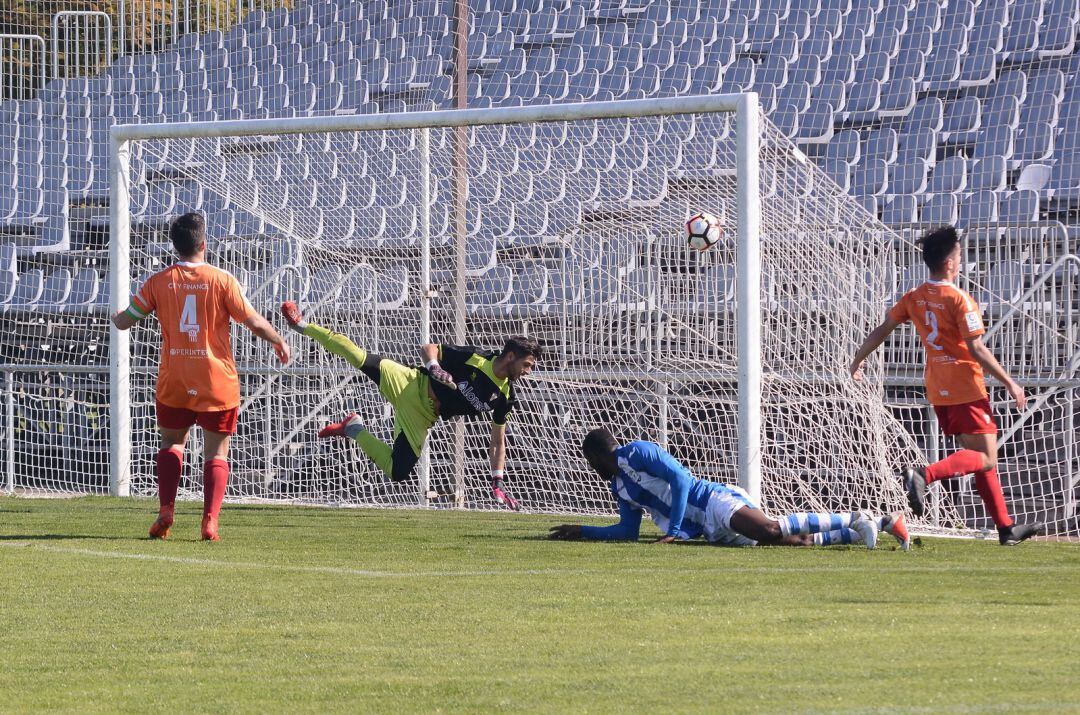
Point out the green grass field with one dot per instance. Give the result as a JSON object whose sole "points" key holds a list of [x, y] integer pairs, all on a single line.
{"points": [[320, 610]]}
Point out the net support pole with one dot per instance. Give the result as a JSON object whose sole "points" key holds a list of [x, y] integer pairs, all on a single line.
{"points": [[461, 101], [664, 417], [426, 294], [933, 454], [119, 290], [9, 431], [748, 296]]}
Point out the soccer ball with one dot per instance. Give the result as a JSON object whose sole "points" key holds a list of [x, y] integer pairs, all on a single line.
{"points": [[703, 231]]}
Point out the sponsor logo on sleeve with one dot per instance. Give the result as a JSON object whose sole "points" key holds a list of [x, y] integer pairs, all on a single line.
{"points": [[974, 321]]}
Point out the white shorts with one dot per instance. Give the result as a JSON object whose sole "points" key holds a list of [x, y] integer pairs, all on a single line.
{"points": [[722, 504]]}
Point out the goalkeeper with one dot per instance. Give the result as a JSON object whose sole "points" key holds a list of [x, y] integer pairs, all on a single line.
{"points": [[456, 381]]}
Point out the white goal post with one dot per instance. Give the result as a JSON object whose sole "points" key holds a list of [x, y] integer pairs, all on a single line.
{"points": [[712, 347]]}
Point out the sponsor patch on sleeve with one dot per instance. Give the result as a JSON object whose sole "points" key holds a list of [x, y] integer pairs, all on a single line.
{"points": [[974, 321]]}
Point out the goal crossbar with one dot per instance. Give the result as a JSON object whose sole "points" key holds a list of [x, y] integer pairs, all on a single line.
{"points": [[697, 104]]}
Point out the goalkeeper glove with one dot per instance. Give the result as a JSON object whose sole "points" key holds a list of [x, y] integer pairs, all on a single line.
{"points": [[439, 375], [498, 490]]}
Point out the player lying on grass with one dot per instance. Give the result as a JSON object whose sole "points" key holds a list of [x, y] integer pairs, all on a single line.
{"points": [[456, 381], [197, 381], [645, 478], [950, 326]]}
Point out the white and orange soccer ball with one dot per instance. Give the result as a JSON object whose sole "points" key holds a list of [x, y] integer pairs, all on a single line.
{"points": [[703, 231]]}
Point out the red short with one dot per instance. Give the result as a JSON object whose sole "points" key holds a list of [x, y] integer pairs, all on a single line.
{"points": [[969, 418], [223, 422]]}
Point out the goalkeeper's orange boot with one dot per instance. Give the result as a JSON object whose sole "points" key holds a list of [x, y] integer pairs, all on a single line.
{"points": [[160, 528], [209, 528], [896, 524], [293, 316], [338, 429]]}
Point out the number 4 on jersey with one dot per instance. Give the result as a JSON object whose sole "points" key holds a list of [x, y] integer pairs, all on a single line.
{"points": [[189, 318]]}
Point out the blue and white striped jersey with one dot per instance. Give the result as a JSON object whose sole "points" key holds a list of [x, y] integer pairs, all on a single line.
{"points": [[651, 480]]}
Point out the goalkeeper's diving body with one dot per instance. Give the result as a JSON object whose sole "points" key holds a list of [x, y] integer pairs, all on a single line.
{"points": [[455, 381], [646, 478]]}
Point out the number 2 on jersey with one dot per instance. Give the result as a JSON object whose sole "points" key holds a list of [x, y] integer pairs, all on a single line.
{"points": [[932, 323], [189, 318]]}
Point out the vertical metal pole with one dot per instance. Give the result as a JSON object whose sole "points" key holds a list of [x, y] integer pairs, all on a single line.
{"points": [[176, 31], [55, 46], [1070, 482], [44, 70], [1070, 452], [108, 44], [9, 430], [426, 293], [119, 341], [664, 418], [268, 445], [122, 16], [461, 101], [748, 298], [933, 454]]}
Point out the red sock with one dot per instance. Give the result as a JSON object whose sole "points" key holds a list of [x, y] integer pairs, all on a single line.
{"points": [[170, 464], [958, 464], [215, 477], [990, 490]]}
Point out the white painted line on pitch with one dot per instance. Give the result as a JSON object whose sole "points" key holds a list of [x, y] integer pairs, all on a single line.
{"points": [[366, 573], [998, 706]]}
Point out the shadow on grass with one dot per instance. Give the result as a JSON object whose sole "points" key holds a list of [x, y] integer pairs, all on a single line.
{"points": [[64, 537], [544, 537], [694, 543]]}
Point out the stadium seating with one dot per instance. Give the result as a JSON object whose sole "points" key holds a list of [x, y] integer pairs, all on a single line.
{"points": [[964, 112]]}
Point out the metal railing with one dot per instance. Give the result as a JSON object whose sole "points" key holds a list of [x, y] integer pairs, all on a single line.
{"points": [[82, 43], [147, 27], [22, 65], [84, 40]]}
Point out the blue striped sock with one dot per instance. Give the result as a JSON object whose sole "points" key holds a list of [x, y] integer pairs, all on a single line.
{"points": [[839, 536], [815, 522]]}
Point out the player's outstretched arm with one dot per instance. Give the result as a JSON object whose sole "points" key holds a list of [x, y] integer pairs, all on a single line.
{"points": [[627, 529], [261, 327], [497, 459], [980, 352], [873, 341], [656, 461]]}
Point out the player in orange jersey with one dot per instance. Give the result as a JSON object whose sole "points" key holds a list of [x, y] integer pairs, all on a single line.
{"points": [[949, 323], [197, 381]]}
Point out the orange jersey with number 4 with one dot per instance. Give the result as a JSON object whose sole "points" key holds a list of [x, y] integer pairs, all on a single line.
{"points": [[945, 317], [193, 303]]}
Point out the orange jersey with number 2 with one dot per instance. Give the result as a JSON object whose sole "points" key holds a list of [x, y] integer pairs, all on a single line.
{"points": [[193, 303], [945, 317]]}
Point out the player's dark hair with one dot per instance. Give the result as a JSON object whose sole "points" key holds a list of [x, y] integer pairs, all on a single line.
{"points": [[188, 234], [599, 442], [937, 245], [521, 346]]}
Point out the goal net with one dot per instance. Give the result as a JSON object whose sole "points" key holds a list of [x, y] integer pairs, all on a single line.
{"points": [[568, 230]]}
